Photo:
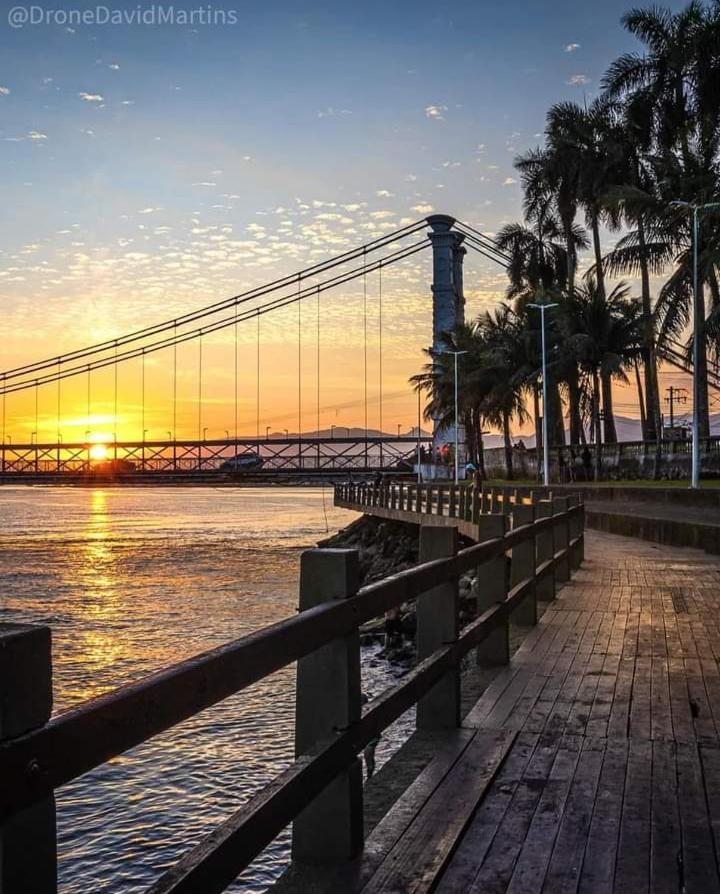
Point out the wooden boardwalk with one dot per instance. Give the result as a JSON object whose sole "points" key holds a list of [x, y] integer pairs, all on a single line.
{"points": [[591, 763]]}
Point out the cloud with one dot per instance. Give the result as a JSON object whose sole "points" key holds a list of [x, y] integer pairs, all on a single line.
{"points": [[4, 91], [435, 112], [114, 66], [422, 208], [330, 112], [384, 194], [204, 183], [578, 80], [571, 47], [147, 210], [90, 97], [509, 181], [36, 135]]}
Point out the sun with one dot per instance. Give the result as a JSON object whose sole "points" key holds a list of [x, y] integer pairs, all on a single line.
{"points": [[98, 452]]}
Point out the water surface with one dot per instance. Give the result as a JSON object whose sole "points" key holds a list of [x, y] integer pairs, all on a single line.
{"points": [[130, 580]]}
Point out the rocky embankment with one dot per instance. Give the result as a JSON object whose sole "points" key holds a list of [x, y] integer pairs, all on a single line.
{"points": [[385, 548]]}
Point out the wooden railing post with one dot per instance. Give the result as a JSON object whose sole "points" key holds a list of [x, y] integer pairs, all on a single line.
{"points": [[401, 496], [545, 586], [490, 588], [477, 502], [440, 499], [575, 530], [452, 502], [438, 624], [328, 700], [561, 538], [495, 502], [28, 838], [522, 566]]}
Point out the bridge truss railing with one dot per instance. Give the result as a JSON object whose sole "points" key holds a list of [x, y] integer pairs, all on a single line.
{"points": [[40, 753], [278, 455]]}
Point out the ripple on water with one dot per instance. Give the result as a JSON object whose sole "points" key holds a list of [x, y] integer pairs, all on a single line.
{"points": [[130, 580]]}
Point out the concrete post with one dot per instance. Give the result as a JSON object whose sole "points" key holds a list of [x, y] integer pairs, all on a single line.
{"points": [[438, 624], [495, 501], [491, 588], [28, 838], [561, 539], [545, 588], [574, 531], [452, 502], [328, 699], [522, 566]]}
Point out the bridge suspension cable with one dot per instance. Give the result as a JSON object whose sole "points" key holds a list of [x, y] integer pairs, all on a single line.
{"points": [[217, 325], [217, 307]]}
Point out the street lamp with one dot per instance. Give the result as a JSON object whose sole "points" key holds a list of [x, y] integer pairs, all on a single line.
{"points": [[456, 354], [227, 434], [696, 209], [33, 437], [332, 431], [205, 431], [267, 432], [546, 456], [287, 434], [399, 429]]}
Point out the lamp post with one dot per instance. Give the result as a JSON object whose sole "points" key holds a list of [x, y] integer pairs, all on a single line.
{"points": [[546, 454], [399, 424], [456, 354], [697, 322], [267, 432]]}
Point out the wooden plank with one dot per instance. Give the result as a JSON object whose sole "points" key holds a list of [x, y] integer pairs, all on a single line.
{"points": [[449, 747], [632, 871], [598, 868], [665, 822], [496, 870], [531, 866], [414, 864], [699, 869], [465, 862], [566, 863]]}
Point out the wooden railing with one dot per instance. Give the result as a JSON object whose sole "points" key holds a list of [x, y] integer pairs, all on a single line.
{"points": [[322, 790]]}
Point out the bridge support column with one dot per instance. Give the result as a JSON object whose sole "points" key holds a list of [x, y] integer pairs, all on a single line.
{"points": [[448, 300], [328, 699]]}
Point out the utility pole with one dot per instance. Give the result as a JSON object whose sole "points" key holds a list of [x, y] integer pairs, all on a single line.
{"points": [[675, 396]]}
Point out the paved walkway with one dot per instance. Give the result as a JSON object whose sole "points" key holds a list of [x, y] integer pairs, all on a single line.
{"points": [[613, 781], [590, 763]]}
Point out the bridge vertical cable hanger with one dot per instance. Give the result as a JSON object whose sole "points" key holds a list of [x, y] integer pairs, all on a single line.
{"points": [[175, 387], [318, 368], [200, 374], [236, 373], [365, 351], [299, 362], [257, 381], [380, 357]]}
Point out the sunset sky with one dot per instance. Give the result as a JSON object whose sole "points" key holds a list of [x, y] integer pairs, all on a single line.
{"points": [[148, 170]]}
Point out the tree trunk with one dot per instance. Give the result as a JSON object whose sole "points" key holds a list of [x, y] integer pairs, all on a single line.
{"points": [[596, 424], [653, 415], [508, 446], [576, 432], [538, 428], [641, 402], [597, 248], [608, 414]]}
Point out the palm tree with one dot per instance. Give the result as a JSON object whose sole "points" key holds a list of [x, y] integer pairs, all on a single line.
{"points": [[603, 331], [674, 88]]}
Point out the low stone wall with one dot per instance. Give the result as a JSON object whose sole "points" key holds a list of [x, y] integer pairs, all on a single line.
{"points": [[624, 461], [670, 531]]}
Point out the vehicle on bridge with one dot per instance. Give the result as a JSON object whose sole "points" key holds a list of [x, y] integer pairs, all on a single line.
{"points": [[250, 461]]}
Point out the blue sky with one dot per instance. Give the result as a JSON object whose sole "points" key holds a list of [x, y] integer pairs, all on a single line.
{"points": [[141, 162]]}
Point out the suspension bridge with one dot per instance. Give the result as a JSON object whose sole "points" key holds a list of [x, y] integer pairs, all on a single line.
{"points": [[311, 293], [34, 443]]}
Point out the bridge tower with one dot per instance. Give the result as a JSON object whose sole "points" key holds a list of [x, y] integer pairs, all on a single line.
{"points": [[448, 298]]}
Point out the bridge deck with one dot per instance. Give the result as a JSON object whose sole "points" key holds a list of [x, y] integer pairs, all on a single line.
{"points": [[591, 762]]}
